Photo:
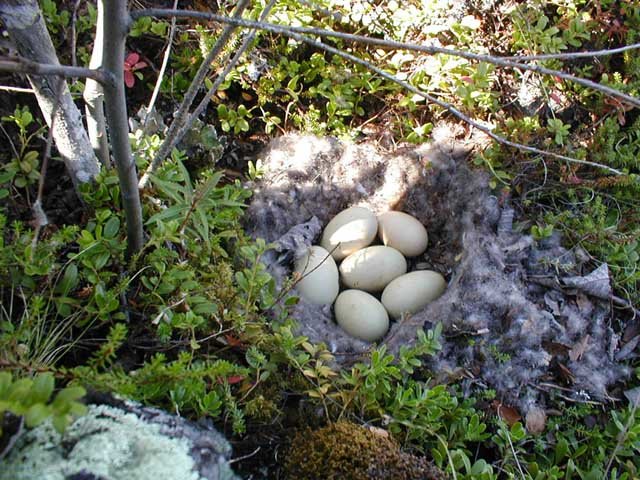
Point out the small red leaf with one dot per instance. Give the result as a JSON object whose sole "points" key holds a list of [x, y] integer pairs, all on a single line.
{"points": [[129, 79], [131, 59], [234, 379], [139, 65]]}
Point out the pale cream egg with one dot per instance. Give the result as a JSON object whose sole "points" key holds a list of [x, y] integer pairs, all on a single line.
{"points": [[402, 232], [361, 315], [372, 268], [350, 230], [411, 292], [319, 284]]}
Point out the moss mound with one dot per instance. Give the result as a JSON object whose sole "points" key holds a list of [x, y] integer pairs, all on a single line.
{"points": [[346, 450]]}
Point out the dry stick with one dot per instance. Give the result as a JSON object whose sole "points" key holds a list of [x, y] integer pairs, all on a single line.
{"points": [[391, 44], [169, 142], [22, 65], [165, 62], [221, 78]]}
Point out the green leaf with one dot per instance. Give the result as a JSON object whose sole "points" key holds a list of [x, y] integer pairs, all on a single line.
{"points": [[170, 213], [69, 280], [68, 395], [5, 383], [42, 388], [36, 414], [60, 422], [112, 227]]}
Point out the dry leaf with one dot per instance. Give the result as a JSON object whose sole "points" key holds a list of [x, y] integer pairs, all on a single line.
{"points": [[597, 283], [579, 348], [536, 420], [507, 413], [566, 374]]}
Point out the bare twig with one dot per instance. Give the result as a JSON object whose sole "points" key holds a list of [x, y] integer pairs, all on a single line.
{"points": [[163, 67], [571, 55], [74, 34], [115, 31], [8, 88], [180, 117], [22, 65], [287, 30], [453, 110]]}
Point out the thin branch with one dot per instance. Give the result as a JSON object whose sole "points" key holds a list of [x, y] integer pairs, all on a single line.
{"points": [[453, 110], [286, 30], [570, 55], [165, 62], [183, 110], [74, 33], [115, 32], [22, 65], [8, 88]]}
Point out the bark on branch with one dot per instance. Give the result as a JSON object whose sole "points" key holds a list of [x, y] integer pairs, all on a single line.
{"points": [[116, 21]]}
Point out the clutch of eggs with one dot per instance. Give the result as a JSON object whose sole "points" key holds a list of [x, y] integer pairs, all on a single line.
{"points": [[368, 269]]}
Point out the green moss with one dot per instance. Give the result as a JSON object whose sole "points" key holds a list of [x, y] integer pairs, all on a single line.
{"points": [[347, 450]]}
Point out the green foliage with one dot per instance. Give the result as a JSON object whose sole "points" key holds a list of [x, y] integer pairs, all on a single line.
{"points": [[22, 169], [55, 20], [236, 120], [31, 398]]}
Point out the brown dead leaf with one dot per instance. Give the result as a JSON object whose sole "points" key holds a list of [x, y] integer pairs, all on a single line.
{"points": [[579, 348], [566, 374], [536, 420], [84, 292], [556, 348], [507, 413]]}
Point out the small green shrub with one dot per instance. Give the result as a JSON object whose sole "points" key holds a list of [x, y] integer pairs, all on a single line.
{"points": [[31, 398]]}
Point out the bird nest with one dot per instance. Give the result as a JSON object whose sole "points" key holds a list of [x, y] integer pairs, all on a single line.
{"points": [[516, 311]]}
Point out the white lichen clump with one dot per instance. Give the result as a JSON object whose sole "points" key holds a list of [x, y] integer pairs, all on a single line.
{"points": [[107, 442]]}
